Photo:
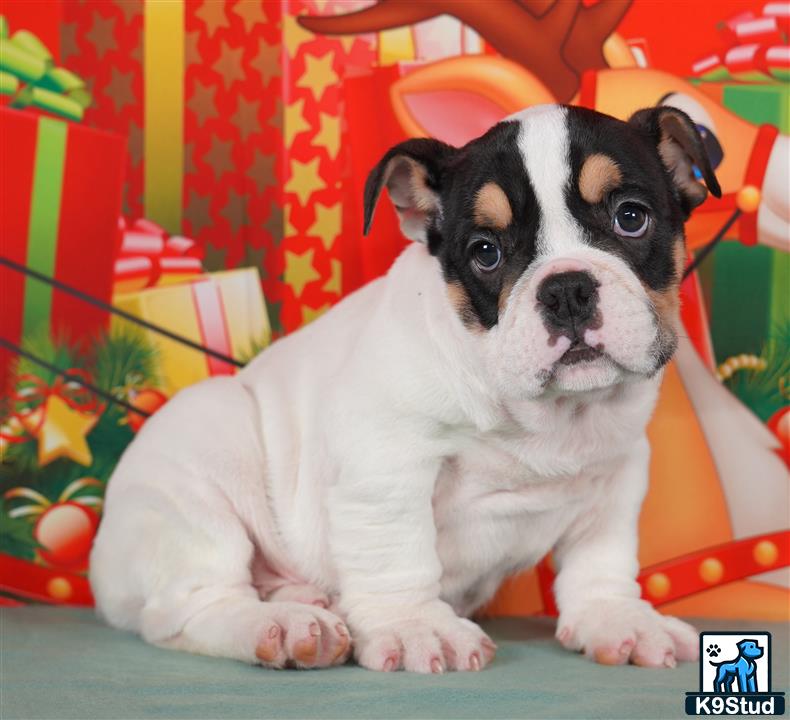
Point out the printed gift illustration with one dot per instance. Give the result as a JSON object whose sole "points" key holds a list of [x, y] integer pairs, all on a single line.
{"points": [[182, 184]]}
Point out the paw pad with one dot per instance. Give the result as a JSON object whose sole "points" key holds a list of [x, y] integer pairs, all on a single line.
{"points": [[713, 650]]}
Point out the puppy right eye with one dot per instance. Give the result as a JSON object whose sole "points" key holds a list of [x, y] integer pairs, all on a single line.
{"points": [[486, 255]]}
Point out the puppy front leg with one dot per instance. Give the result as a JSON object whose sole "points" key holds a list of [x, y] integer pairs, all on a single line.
{"points": [[383, 540], [601, 612]]}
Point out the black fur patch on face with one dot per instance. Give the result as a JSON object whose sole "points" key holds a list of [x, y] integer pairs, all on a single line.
{"points": [[645, 181], [494, 157]]}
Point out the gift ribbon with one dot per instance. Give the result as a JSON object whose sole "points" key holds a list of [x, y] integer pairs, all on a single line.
{"points": [[44, 216], [213, 326], [32, 396], [28, 73], [163, 138], [148, 257]]}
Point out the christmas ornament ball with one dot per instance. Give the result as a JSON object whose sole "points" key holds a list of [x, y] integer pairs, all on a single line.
{"points": [[65, 532]]}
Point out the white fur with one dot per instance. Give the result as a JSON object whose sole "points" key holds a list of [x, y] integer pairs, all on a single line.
{"points": [[399, 466]]}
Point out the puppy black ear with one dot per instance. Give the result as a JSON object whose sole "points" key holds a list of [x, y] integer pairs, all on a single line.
{"points": [[681, 149], [412, 172]]}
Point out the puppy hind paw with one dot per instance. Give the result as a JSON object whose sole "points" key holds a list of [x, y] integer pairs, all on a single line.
{"points": [[303, 637]]}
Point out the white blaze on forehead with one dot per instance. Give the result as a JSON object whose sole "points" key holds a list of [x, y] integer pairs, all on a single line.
{"points": [[544, 144]]}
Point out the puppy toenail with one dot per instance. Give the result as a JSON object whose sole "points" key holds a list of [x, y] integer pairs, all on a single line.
{"points": [[487, 642], [315, 631], [341, 630], [669, 661], [389, 664], [436, 666], [564, 635], [474, 661], [320, 603], [274, 631]]}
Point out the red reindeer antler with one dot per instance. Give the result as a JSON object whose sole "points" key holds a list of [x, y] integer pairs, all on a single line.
{"points": [[555, 39]]}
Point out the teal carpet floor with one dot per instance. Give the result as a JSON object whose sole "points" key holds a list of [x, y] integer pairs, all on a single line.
{"points": [[63, 663]]}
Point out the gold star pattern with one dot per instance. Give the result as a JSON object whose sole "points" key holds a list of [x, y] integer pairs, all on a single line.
{"points": [[261, 171], [202, 102], [212, 13], [192, 47], [305, 179], [295, 35], [333, 285], [267, 60], [309, 314], [299, 270], [63, 433], [214, 258], [251, 13], [219, 156], [318, 74], [119, 89], [327, 224], [130, 9], [235, 211], [101, 33], [198, 212], [68, 41], [294, 121], [274, 223], [347, 42], [229, 66], [246, 117], [328, 134]]}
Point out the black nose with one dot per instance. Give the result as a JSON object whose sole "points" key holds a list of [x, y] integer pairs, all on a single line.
{"points": [[568, 301]]}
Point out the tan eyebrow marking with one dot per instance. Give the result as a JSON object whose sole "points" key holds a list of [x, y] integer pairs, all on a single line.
{"points": [[599, 174], [492, 208]]}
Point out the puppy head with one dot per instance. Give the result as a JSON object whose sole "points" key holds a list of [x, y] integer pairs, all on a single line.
{"points": [[560, 238]]}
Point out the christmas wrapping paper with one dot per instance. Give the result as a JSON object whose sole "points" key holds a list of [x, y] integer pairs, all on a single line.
{"points": [[232, 114], [223, 311], [60, 194]]}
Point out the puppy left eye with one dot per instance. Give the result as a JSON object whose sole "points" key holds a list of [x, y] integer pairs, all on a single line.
{"points": [[631, 220]]}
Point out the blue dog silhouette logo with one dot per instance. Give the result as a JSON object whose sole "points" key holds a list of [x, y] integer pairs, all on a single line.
{"points": [[742, 669], [735, 675]]}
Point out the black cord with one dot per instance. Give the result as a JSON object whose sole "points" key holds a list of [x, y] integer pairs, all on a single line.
{"points": [[707, 249], [117, 311], [72, 378]]}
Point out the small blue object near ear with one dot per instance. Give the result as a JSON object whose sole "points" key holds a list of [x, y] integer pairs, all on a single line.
{"points": [[712, 148]]}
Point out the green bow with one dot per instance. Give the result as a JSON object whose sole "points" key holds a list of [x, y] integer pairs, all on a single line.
{"points": [[28, 72]]}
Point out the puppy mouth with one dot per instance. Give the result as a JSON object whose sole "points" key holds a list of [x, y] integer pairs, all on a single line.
{"points": [[579, 352]]}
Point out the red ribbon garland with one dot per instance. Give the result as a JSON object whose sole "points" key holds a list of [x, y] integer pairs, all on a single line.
{"points": [[34, 394]]}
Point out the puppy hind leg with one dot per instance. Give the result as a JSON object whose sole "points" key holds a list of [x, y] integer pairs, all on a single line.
{"points": [[239, 625], [201, 599]]}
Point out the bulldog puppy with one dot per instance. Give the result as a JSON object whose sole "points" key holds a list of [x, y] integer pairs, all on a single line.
{"points": [[367, 482]]}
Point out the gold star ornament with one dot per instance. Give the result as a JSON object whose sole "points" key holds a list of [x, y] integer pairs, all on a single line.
{"points": [[63, 433]]}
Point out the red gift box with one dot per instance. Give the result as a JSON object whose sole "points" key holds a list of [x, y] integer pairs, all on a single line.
{"points": [[60, 198]]}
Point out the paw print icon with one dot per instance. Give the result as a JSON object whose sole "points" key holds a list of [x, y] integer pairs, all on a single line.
{"points": [[713, 650]]}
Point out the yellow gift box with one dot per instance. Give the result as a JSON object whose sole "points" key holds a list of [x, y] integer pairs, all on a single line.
{"points": [[223, 311]]}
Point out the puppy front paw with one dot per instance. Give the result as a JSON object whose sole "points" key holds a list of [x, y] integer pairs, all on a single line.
{"points": [[424, 642], [618, 630]]}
